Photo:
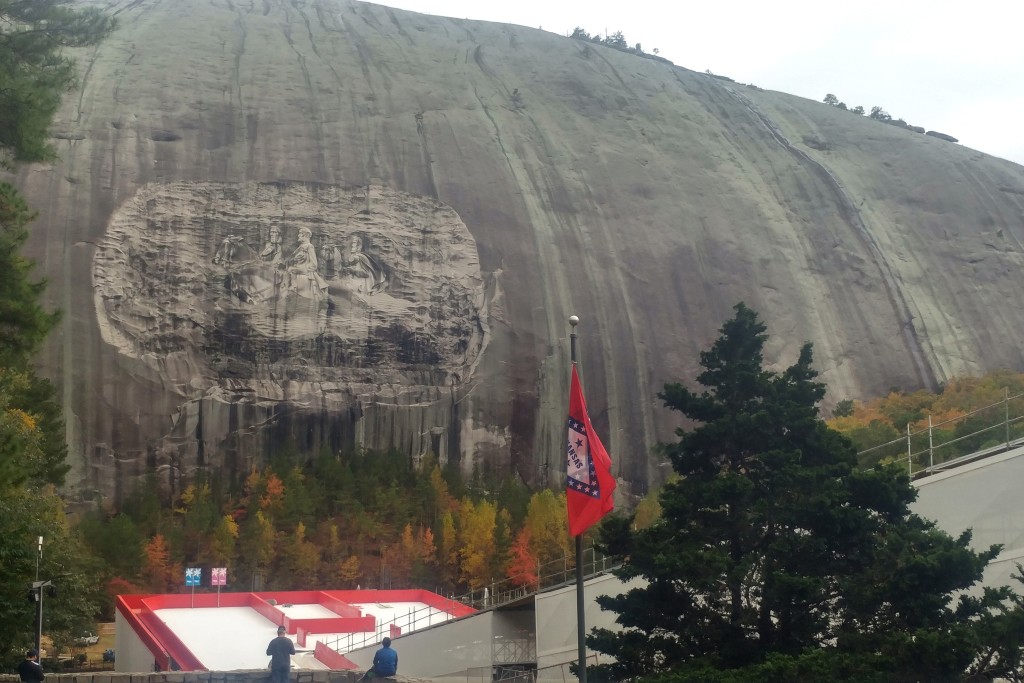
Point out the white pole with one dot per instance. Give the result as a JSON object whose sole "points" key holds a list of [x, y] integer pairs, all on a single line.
{"points": [[931, 453], [910, 460]]}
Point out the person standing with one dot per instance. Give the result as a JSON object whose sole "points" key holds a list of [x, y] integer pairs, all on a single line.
{"points": [[29, 669], [280, 650], [385, 662]]}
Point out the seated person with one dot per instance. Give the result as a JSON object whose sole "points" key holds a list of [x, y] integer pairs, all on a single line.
{"points": [[385, 663]]}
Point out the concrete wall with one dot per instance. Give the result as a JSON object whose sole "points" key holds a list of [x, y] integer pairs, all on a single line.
{"points": [[557, 639], [465, 650], [132, 653], [442, 653], [984, 496]]}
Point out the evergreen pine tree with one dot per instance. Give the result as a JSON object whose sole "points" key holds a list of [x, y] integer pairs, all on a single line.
{"points": [[35, 72], [775, 558]]}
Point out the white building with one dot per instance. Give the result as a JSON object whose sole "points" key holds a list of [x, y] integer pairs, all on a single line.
{"points": [[437, 639], [231, 631]]}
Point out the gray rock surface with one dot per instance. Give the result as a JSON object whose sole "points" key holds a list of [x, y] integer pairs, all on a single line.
{"points": [[466, 187]]}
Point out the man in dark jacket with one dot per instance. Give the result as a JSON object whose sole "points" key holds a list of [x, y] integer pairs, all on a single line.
{"points": [[280, 651], [385, 663], [29, 669]]}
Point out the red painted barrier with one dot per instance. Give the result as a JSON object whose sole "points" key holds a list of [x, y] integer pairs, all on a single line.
{"points": [[333, 660], [333, 625], [167, 649], [138, 612]]}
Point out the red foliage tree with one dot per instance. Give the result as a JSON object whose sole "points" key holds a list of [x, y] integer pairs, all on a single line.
{"points": [[522, 566]]}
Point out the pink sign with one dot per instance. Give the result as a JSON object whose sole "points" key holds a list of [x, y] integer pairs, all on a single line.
{"points": [[219, 576]]}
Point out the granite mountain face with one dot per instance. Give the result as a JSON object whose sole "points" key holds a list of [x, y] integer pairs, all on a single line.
{"points": [[318, 225]]}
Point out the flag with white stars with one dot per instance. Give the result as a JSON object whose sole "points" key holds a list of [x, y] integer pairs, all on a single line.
{"points": [[589, 480]]}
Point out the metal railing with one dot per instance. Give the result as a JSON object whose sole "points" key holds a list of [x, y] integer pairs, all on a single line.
{"points": [[554, 573], [559, 673], [413, 620], [982, 432]]}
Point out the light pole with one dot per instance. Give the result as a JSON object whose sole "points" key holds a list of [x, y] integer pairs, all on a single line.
{"points": [[37, 595]]}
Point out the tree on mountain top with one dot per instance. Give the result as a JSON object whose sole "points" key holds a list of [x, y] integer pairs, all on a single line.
{"points": [[879, 114], [775, 558]]}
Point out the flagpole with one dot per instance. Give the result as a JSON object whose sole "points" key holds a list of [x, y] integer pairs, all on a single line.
{"points": [[581, 638]]}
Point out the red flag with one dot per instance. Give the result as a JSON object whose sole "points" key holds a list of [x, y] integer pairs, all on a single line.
{"points": [[589, 480]]}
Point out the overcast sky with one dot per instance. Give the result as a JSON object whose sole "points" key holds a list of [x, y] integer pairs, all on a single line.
{"points": [[952, 66]]}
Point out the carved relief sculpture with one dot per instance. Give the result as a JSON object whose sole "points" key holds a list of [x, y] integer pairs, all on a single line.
{"points": [[258, 284]]}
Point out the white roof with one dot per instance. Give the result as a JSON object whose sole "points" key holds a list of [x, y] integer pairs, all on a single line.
{"points": [[231, 638]]}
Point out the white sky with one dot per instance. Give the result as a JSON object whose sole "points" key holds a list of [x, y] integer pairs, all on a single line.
{"points": [[952, 66]]}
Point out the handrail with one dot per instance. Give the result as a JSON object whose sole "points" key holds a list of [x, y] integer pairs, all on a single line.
{"points": [[495, 594], [941, 456]]}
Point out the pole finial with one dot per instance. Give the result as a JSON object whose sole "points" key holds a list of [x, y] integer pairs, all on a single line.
{"points": [[574, 320]]}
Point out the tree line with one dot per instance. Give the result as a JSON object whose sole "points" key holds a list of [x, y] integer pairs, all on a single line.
{"points": [[359, 519], [964, 416], [617, 41], [877, 113]]}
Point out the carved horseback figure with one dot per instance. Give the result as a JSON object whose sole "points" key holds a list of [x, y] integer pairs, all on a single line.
{"points": [[249, 278], [304, 270]]}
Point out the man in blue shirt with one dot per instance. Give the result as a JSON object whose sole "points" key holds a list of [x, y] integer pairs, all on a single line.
{"points": [[385, 663]]}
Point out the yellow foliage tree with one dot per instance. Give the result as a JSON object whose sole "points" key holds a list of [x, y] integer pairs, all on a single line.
{"points": [[162, 574], [348, 572], [220, 551], [647, 511], [447, 552], [256, 545], [547, 521], [476, 542], [300, 560]]}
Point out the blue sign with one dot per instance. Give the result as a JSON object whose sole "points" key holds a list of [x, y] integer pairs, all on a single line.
{"points": [[193, 576]]}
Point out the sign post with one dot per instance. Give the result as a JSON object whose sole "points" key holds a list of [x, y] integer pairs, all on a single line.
{"points": [[193, 577], [218, 578]]}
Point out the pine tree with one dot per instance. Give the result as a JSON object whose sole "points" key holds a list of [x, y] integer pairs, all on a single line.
{"points": [[34, 70], [32, 445], [34, 74], [775, 554]]}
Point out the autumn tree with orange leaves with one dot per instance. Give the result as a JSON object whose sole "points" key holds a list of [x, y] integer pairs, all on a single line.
{"points": [[523, 566]]}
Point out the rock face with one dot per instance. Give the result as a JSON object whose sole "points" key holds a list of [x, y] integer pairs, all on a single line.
{"points": [[316, 225]]}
